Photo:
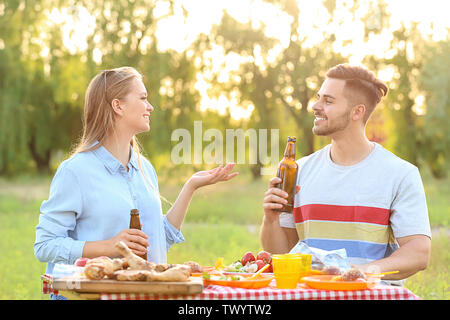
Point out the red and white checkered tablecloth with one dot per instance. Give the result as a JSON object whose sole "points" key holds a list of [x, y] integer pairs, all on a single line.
{"points": [[302, 292], [47, 284]]}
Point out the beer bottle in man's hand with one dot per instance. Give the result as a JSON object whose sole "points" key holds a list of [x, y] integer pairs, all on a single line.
{"points": [[287, 172], [135, 223]]}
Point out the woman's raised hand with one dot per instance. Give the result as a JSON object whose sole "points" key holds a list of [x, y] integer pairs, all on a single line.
{"points": [[204, 178]]}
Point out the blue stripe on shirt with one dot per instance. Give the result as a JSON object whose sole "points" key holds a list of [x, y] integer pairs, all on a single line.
{"points": [[355, 249]]}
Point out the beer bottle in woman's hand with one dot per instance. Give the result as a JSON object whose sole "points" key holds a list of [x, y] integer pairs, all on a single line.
{"points": [[135, 223]]}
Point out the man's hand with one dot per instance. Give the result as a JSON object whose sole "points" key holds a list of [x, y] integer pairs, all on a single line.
{"points": [[274, 238], [274, 198]]}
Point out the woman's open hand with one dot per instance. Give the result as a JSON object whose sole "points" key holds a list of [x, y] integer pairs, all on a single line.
{"points": [[204, 178]]}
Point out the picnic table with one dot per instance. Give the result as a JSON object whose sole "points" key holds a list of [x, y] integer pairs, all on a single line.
{"points": [[216, 292]]}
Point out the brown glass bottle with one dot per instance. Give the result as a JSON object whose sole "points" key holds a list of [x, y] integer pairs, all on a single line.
{"points": [[135, 223], [287, 172]]}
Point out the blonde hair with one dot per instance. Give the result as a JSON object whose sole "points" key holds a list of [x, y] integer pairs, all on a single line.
{"points": [[99, 120]]}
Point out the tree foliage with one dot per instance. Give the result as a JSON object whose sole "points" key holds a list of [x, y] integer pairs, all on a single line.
{"points": [[434, 80], [43, 76]]}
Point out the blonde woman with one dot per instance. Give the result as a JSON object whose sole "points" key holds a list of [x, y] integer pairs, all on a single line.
{"points": [[93, 191]]}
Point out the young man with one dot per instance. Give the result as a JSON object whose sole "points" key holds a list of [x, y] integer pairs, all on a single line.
{"points": [[353, 193]]}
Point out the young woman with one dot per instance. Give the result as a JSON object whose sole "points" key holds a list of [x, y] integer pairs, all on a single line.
{"points": [[93, 191]]}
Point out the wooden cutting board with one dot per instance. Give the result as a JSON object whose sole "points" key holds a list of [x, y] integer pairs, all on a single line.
{"points": [[193, 286]]}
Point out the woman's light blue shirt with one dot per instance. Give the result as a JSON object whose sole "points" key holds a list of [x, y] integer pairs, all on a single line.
{"points": [[90, 199]]}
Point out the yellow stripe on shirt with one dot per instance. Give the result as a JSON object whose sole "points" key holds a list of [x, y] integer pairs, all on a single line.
{"points": [[343, 230]]}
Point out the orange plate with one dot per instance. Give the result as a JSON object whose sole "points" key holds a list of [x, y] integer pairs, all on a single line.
{"points": [[261, 282], [324, 282], [207, 269], [314, 272]]}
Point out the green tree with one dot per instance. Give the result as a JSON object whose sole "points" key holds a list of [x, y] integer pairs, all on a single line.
{"points": [[404, 90], [434, 80], [280, 89], [125, 34], [19, 78], [43, 80]]}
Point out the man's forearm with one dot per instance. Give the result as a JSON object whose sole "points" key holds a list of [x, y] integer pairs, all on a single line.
{"points": [[273, 238], [410, 258]]}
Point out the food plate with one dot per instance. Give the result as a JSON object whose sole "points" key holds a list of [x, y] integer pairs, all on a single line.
{"points": [[207, 269], [325, 282], [315, 272], [261, 282], [311, 273], [244, 273]]}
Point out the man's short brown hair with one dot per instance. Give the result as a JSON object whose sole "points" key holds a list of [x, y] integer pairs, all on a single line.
{"points": [[361, 86]]}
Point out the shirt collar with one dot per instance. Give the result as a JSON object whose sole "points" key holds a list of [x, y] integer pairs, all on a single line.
{"points": [[110, 162], [133, 158]]}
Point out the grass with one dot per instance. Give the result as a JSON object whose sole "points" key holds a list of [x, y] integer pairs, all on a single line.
{"points": [[434, 282], [206, 242], [20, 271], [223, 221], [437, 193], [238, 201]]}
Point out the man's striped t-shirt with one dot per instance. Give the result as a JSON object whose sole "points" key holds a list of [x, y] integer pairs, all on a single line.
{"points": [[362, 208]]}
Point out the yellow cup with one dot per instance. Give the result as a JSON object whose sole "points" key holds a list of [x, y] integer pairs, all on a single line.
{"points": [[305, 266], [286, 268]]}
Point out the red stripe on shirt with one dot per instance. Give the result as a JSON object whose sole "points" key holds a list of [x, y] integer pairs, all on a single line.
{"points": [[341, 213]]}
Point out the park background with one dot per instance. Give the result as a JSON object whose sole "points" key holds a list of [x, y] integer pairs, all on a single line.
{"points": [[249, 64]]}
